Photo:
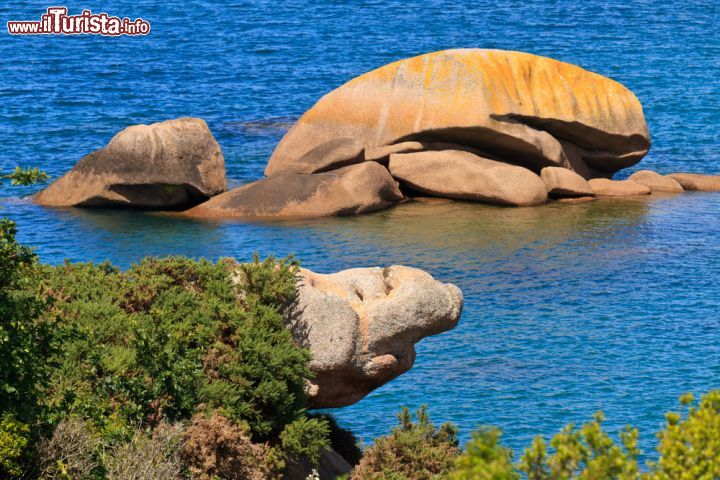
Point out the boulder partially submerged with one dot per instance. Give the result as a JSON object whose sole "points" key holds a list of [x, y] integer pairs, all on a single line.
{"points": [[510, 106], [361, 326], [697, 182], [561, 182], [167, 165], [465, 175], [656, 182], [617, 188], [349, 190]]}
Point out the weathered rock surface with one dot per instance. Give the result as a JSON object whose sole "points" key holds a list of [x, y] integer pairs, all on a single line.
{"points": [[561, 182], [696, 181], [350, 190], [171, 164], [512, 106], [656, 182], [617, 188], [464, 175], [361, 326]]}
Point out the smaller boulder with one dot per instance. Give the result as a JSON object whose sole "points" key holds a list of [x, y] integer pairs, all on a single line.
{"points": [[697, 182], [172, 164], [656, 182], [561, 182], [359, 188], [604, 187], [467, 176], [361, 326]]}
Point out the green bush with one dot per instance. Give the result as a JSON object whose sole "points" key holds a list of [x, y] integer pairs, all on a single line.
{"points": [[130, 351], [154, 343], [25, 345], [485, 459], [689, 449], [306, 438], [14, 437], [412, 451], [689, 445], [584, 453]]}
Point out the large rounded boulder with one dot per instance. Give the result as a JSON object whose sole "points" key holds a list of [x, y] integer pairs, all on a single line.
{"points": [[171, 164], [509, 106]]}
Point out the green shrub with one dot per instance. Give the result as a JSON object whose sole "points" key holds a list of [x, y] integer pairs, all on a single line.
{"points": [[690, 446], [13, 442], [154, 343], [412, 451], [583, 453], [25, 345], [485, 459], [306, 438]]}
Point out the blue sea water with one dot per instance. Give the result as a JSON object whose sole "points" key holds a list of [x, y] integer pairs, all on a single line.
{"points": [[611, 305]]}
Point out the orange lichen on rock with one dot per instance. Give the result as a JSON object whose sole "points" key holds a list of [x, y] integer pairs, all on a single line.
{"points": [[512, 106]]}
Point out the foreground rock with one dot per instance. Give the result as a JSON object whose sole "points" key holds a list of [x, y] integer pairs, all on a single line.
{"points": [[698, 182], [561, 182], [464, 175], [171, 164], [656, 182], [513, 106], [361, 326], [617, 188], [350, 190]]}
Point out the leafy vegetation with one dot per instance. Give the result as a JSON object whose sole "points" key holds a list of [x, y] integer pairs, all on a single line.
{"points": [[25, 176], [178, 368], [413, 451], [688, 449], [95, 362]]}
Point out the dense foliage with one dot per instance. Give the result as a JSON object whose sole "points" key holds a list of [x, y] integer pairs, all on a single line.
{"points": [[413, 450], [688, 449], [95, 363], [154, 343]]}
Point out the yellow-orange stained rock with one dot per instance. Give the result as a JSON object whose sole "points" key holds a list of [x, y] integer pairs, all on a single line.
{"points": [[517, 106]]}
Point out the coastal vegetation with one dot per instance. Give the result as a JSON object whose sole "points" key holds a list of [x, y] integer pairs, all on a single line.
{"points": [[101, 365], [181, 368], [688, 449]]}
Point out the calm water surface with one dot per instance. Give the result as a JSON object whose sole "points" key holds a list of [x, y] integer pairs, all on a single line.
{"points": [[611, 305]]}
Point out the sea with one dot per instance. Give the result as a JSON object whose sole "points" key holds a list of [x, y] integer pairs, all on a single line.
{"points": [[612, 305]]}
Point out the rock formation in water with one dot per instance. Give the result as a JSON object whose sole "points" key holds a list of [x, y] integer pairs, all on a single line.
{"points": [[361, 326], [511, 106], [350, 190], [656, 182], [467, 124], [167, 165], [561, 182], [464, 175], [697, 182], [617, 188]]}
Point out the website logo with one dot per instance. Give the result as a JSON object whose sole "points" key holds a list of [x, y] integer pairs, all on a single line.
{"points": [[56, 21]]}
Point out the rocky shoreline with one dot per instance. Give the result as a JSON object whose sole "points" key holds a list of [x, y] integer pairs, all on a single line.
{"points": [[490, 126]]}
